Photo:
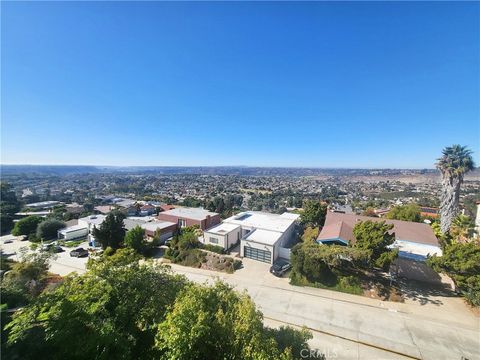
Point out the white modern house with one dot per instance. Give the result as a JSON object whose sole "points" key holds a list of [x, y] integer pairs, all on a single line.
{"points": [[83, 229], [224, 234], [89, 222], [73, 232], [262, 236]]}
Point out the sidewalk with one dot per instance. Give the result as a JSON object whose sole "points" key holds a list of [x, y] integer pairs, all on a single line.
{"points": [[446, 310]]}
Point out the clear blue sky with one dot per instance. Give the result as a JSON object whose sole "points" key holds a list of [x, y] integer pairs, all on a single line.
{"points": [[261, 84]]}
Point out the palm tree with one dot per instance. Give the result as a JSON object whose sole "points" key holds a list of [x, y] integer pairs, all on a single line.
{"points": [[455, 162]]}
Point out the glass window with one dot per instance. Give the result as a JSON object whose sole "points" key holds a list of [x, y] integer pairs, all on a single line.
{"points": [[213, 240]]}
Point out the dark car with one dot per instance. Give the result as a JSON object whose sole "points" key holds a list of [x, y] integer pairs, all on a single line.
{"points": [[52, 248], [280, 267], [79, 252]]}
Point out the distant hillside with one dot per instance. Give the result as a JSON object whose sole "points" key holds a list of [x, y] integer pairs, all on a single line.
{"points": [[205, 170], [47, 169]]}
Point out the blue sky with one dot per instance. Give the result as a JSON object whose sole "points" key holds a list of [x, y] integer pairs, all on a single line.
{"points": [[261, 84]]}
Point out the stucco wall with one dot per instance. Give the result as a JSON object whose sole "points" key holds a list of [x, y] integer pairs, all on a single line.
{"points": [[254, 245]]}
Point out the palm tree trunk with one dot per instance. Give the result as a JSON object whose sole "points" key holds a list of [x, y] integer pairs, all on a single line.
{"points": [[449, 200]]}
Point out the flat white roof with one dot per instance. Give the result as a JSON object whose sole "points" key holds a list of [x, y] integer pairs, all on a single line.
{"points": [[266, 237], [154, 225], [263, 220], [190, 213], [142, 218], [43, 203], [93, 219], [222, 229]]}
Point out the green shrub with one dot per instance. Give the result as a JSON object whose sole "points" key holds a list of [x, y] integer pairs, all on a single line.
{"points": [[5, 263], [214, 248], [192, 258], [108, 251], [461, 261], [237, 264], [349, 284], [70, 243], [33, 238]]}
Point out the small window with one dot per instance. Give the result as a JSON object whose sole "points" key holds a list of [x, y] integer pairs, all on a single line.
{"points": [[213, 240], [182, 222]]}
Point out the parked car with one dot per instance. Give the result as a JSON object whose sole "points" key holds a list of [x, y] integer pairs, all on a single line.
{"points": [[79, 252], [280, 267], [52, 247]]}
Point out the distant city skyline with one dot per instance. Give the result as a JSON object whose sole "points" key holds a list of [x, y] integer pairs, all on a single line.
{"points": [[313, 84]]}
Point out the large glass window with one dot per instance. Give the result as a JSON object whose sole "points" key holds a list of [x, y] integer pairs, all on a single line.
{"points": [[257, 254]]}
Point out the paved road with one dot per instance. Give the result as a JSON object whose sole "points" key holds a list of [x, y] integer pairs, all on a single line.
{"points": [[361, 326], [62, 264]]}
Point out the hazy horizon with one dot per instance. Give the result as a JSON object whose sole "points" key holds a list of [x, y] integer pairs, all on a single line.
{"points": [[221, 166]]}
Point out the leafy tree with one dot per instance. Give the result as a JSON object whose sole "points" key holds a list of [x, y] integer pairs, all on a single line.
{"points": [[217, 204], [310, 233], [295, 340], [461, 261], [435, 225], [48, 229], [182, 245], [314, 213], [112, 312], [58, 212], [462, 229], [409, 212], [25, 278], [323, 263], [9, 205], [374, 237], [27, 225], [192, 202], [135, 239], [111, 231], [223, 324], [455, 162], [88, 207], [123, 309]]}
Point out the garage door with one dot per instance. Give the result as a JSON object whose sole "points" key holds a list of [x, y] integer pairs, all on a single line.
{"points": [[257, 254], [166, 235]]}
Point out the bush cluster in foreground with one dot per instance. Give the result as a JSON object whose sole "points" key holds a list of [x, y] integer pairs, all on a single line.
{"points": [[123, 309]]}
